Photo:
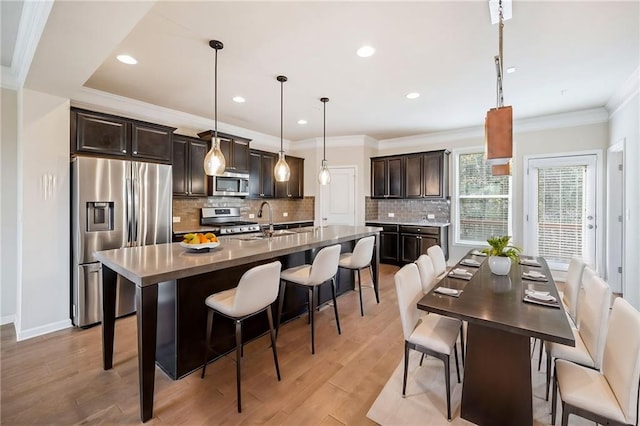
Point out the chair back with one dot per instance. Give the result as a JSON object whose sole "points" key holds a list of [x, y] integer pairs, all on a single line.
{"points": [[325, 264], [437, 257], [427, 273], [594, 316], [409, 291], [621, 363], [363, 252], [257, 289], [572, 286]]}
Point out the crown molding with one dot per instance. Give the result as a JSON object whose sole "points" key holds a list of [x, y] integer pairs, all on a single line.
{"points": [[32, 22], [9, 79], [337, 142], [625, 93]]}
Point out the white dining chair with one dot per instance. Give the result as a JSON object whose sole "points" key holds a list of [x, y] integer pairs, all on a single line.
{"points": [[433, 335], [439, 262], [358, 259], [610, 396], [256, 291], [591, 332]]}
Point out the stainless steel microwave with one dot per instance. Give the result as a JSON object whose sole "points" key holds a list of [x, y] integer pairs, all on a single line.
{"points": [[231, 184]]}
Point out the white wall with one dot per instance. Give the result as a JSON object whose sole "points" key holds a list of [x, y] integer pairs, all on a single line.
{"points": [[8, 206], [43, 292], [623, 125]]}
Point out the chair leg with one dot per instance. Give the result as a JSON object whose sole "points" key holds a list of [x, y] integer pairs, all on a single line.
{"points": [[375, 286], [238, 360], [335, 303], [455, 353], [462, 341], [546, 396], [272, 334], [540, 354], [406, 368], [421, 359], [554, 399], [447, 382], [313, 291], [207, 343], [283, 287], [565, 414], [360, 291]]}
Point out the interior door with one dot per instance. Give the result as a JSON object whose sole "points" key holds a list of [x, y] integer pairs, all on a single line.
{"points": [[337, 199]]}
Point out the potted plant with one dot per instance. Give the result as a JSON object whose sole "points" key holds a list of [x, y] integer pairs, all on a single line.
{"points": [[501, 254]]}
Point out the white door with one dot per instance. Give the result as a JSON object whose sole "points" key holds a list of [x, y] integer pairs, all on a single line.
{"points": [[561, 212], [338, 198], [615, 207]]}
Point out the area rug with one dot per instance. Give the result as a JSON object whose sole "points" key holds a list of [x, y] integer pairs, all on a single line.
{"points": [[425, 402]]}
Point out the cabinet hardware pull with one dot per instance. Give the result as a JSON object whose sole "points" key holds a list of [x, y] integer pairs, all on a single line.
{"points": [[135, 152], [124, 151]]}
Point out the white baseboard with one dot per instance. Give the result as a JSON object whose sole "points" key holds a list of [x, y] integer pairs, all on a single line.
{"points": [[7, 319], [44, 329]]}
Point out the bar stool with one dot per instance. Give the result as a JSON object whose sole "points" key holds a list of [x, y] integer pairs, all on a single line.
{"points": [[256, 291], [359, 259], [323, 269]]}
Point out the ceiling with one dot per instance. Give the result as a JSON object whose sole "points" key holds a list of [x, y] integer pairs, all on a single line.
{"points": [[569, 55]]}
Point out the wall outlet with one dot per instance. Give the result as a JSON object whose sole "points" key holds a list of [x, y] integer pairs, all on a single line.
{"points": [[285, 214], [176, 219], [391, 214], [431, 216], [252, 216]]}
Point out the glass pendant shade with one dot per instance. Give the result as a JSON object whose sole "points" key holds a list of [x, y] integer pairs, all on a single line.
{"points": [[282, 171], [324, 177], [214, 163]]}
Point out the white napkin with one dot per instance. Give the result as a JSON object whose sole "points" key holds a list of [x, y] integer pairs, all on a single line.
{"points": [[532, 262], [448, 291], [461, 271], [471, 262], [534, 274], [478, 253], [540, 295]]}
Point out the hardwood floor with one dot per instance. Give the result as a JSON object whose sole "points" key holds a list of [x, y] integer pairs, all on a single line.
{"points": [[58, 378]]}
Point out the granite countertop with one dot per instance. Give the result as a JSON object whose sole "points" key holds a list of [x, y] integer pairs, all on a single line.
{"points": [[178, 229], [416, 223], [147, 265]]}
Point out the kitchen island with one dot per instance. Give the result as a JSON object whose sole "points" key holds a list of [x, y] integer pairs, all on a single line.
{"points": [[172, 283]]}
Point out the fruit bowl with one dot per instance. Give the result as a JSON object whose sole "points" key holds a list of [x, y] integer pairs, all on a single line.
{"points": [[199, 247]]}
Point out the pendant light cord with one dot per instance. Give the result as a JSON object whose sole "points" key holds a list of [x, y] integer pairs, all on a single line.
{"points": [[281, 112], [215, 98], [324, 131]]}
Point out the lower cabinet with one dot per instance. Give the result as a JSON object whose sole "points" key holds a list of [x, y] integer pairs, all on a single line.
{"points": [[400, 244], [388, 242], [414, 241]]}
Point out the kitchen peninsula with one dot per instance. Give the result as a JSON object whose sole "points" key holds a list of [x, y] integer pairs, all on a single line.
{"points": [[172, 283]]}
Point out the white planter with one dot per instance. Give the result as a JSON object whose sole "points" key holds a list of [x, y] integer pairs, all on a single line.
{"points": [[499, 265]]}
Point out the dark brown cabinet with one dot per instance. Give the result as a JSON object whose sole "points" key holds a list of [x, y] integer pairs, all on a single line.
{"points": [[189, 178], [235, 150], [112, 136], [426, 175], [415, 240], [261, 178], [388, 242], [386, 177], [294, 187]]}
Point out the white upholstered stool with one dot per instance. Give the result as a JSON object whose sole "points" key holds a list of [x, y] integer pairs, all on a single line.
{"points": [[360, 258], [256, 291]]}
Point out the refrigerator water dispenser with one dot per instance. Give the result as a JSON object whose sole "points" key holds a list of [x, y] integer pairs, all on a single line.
{"points": [[99, 216]]}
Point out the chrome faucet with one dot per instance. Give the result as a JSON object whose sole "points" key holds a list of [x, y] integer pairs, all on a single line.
{"points": [[270, 215]]}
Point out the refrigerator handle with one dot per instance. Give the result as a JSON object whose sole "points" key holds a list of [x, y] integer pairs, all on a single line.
{"points": [[129, 212], [136, 211]]}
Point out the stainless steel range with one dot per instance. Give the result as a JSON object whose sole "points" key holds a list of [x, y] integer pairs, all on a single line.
{"points": [[226, 221]]}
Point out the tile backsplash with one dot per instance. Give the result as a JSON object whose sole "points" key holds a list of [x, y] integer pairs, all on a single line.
{"points": [[407, 210], [188, 209]]}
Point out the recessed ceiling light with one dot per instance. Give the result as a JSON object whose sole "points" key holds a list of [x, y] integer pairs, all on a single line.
{"points": [[413, 95], [366, 51], [302, 121], [238, 99], [126, 59], [511, 70]]}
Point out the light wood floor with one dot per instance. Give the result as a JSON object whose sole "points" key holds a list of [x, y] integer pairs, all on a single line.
{"points": [[58, 378]]}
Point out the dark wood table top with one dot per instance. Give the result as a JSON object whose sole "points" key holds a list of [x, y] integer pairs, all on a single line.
{"points": [[497, 301]]}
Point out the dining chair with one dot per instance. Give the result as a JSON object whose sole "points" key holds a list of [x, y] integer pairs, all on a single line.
{"points": [[591, 331], [433, 335], [358, 259], [256, 291], [311, 277], [610, 396], [439, 262]]}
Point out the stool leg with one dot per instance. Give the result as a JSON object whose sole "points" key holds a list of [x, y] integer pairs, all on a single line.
{"points": [[207, 343], [335, 303], [375, 285], [406, 368], [283, 287], [273, 341], [546, 396], [540, 354], [447, 383], [455, 353], [313, 291], [238, 360], [360, 291]]}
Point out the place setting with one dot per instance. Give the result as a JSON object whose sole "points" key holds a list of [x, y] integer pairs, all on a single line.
{"points": [[529, 262], [461, 273], [468, 261], [453, 292], [540, 298], [534, 276]]}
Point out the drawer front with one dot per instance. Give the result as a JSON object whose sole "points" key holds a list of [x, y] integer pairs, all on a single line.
{"points": [[425, 230]]}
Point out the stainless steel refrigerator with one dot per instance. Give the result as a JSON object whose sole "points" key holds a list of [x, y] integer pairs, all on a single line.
{"points": [[114, 204]]}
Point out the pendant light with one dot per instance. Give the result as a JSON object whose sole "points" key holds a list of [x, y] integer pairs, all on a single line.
{"points": [[214, 162], [281, 171], [324, 177], [498, 123]]}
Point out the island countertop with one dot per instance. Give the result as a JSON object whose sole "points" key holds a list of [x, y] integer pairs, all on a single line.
{"points": [[147, 265]]}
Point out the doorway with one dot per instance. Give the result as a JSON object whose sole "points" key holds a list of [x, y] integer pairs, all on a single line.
{"points": [[338, 198]]}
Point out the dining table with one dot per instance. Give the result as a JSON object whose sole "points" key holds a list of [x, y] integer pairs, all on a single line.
{"points": [[503, 313]]}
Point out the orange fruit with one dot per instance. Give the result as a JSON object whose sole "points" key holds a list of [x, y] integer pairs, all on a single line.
{"points": [[203, 239]]}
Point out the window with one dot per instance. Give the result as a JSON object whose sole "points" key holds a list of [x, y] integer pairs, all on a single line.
{"points": [[483, 201]]}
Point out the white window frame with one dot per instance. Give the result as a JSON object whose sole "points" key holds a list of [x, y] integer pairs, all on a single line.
{"points": [[456, 198]]}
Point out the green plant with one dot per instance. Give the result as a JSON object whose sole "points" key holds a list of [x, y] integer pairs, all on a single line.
{"points": [[499, 246]]}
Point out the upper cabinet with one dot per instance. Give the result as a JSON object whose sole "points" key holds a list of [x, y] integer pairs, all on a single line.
{"points": [[189, 178], [420, 175], [386, 177], [294, 187], [112, 136], [426, 175], [235, 150], [261, 178]]}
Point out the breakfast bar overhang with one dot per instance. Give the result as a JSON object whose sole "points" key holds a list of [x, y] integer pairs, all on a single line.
{"points": [[148, 267]]}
